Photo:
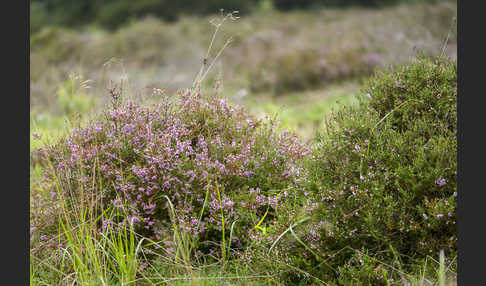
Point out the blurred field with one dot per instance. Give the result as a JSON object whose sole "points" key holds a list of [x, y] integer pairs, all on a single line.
{"points": [[277, 61]]}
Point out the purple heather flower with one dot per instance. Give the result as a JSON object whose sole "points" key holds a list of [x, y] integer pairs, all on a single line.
{"points": [[135, 219], [247, 173], [229, 203], [440, 181]]}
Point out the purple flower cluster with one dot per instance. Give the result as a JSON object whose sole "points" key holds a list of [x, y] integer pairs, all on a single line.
{"points": [[181, 150], [440, 181]]}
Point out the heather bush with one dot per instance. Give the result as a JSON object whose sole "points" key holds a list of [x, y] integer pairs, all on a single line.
{"points": [[427, 91], [384, 176], [212, 161]]}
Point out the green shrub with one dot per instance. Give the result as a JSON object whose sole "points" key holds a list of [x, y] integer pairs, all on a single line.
{"points": [[384, 173], [361, 269], [426, 88]]}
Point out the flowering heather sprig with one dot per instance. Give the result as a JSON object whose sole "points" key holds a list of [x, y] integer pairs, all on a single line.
{"points": [[179, 150], [440, 181]]}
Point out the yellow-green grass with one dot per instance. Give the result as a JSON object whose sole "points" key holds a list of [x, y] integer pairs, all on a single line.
{"points": [[303, 112]]}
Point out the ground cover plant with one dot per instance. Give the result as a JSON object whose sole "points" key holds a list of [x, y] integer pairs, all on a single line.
{"points": [[384, 178]]}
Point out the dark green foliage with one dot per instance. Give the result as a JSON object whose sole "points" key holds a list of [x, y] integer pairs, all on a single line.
{"points": [[69, 12], [112, 14], [397, 199], [38, 17], [290, 4], [360, 270], [306, 4], [214, 6]]}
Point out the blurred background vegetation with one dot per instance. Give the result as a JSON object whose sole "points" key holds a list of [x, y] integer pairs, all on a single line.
{"points": [[112, 14], [296, 60]]}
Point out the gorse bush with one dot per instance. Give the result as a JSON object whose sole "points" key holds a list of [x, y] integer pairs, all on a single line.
{"points": [[212, 161], [384, 175]]}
